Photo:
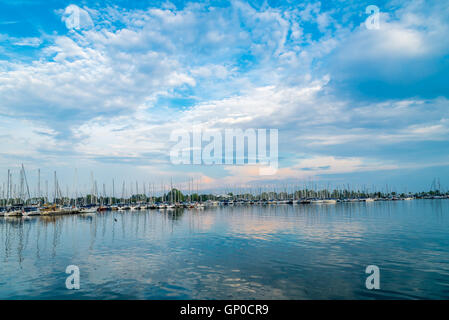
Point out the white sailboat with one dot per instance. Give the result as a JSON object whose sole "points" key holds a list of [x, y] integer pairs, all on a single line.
{"points": [[92, 209], [31, 211]]}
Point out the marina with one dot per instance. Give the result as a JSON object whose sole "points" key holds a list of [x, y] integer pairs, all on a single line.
{"points": [[108, 204], [182, 241], [16, 200], [231, 252], [234, 155]]}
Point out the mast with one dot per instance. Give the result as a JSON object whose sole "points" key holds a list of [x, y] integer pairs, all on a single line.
{"points": [[76, 187], [171, 191], [56, 187], [113, 190], [39, 184], [8, 192], [92, 187], [21, 192], [104, 194], [26, 182]]}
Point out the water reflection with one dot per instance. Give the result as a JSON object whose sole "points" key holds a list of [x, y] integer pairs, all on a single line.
{"points": [[270, 252]]}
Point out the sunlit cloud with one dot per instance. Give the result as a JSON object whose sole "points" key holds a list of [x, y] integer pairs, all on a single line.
{"points": [[110, 85]]}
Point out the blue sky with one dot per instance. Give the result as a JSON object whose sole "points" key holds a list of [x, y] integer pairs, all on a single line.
{"points": [[352, 105]]}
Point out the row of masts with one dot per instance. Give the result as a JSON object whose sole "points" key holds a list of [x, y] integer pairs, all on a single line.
{"points": [[16, 194], [133, 192]]}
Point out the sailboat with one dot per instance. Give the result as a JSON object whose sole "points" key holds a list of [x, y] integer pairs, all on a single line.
{"points": [[13, 212], [31, 211], [88, 209]]}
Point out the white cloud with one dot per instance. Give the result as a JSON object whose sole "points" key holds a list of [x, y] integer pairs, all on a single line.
{"points": [[26, 140], [97, 90], [410, 45], [28, 42]]}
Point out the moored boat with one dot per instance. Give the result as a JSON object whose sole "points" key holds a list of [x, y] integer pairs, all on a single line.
{"points": [[13, 212], [31, 211], [51, 210], [88, 209]]}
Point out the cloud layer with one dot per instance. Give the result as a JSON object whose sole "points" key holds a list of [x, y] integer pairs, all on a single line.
{"points": [[345, 99]]}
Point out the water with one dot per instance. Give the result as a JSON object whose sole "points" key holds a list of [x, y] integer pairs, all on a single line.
{"points": [[272, 252]]}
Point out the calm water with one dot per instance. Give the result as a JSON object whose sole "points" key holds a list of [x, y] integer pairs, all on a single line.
{"points": [[273, 252]]}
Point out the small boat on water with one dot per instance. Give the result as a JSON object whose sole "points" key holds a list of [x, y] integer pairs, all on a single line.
{"points": [[50, 209], [88, 209], [13, 213], [69, 209], [31, 211]]}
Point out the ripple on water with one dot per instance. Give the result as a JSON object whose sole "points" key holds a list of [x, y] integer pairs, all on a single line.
{"points": [[288, 252]]}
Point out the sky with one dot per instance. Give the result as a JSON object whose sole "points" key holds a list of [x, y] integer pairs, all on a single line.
{"points": [[353, 105]]}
